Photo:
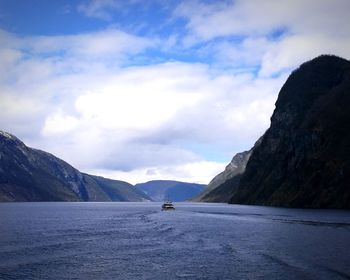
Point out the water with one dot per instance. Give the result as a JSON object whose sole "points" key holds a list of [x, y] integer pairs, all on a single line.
{"points": [[197, 241]]}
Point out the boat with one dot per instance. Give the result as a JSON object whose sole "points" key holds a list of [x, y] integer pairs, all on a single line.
{"points": [[168, 205]]}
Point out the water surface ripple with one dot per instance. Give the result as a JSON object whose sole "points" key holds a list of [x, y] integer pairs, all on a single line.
{"points": [[197, 241]]}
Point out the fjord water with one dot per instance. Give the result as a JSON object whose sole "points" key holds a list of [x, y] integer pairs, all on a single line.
{"points": [[196, 241]]}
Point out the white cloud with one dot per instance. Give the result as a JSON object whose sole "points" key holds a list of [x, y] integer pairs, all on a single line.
{"points": [[200, 172], [145, 115], [255, 17], [58, 123], [246, 53], [276, 35], [40, 74], [140, 98], [99, 8], [109, 43], [291, 51]]}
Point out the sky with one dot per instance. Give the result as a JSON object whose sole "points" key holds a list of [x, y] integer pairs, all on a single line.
{"points": [[143, 90]]}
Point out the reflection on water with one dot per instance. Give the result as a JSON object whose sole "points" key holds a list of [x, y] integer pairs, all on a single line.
{"points": [[197, 241]]}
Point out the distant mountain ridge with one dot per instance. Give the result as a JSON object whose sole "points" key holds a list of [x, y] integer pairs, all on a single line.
{"points": [[303, 159], [160, 190], [27, 174]]}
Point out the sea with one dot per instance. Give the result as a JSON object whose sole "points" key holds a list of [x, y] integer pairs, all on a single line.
{"points": [[122, 240]]}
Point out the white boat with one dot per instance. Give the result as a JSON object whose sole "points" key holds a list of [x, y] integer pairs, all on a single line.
{"points": [[168, 205]]}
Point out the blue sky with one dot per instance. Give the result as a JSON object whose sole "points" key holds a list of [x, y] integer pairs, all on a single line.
{"points": [[59, 17], [141, 90]]}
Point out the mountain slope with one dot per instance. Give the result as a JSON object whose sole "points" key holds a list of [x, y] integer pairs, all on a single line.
{"points": [[161, 190], [119, 190], [304, 157], [28, 174], [234, 168]]}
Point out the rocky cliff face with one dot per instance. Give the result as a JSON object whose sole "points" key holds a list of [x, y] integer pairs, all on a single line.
{"points": [[28, 174], [304, 157], [234, 168]]}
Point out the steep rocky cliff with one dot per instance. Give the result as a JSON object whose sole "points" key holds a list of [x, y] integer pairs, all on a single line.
{"points": [[28, 174], [214, 194], [304, 157]]}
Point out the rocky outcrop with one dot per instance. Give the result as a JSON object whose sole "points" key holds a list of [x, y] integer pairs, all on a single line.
{"points": [[304, 157], [28, 174]]}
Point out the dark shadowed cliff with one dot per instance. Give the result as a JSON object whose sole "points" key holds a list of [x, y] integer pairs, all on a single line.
{"points": [[304, 157], [28, 174]]}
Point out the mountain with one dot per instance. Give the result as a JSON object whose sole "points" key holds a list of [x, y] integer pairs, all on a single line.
{"points": [[303, 159], [214, 194], [28, 174], [118, 190], [160, 190]]}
